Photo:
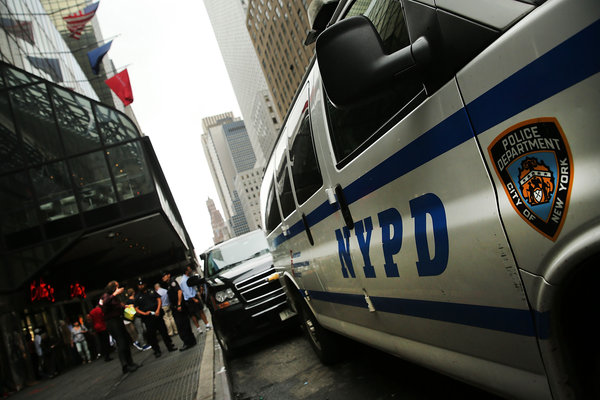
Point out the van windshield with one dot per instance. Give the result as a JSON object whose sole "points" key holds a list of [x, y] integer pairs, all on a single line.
{"points": [[235, 252]]}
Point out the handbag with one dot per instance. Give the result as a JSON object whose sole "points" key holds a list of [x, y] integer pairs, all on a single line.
{"points": [[129, 312]]}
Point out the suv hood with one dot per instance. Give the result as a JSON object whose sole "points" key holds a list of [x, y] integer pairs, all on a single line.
{"points": [[243, 271]]}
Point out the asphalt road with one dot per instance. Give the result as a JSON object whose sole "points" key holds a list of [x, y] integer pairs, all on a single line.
{"points": [[284, 367]]}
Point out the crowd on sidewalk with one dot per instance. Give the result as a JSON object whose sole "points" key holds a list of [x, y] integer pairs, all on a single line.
{"points": [[122, 319]]}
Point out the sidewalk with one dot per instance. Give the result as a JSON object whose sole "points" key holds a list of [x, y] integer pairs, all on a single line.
{"points": [[195, 374]]}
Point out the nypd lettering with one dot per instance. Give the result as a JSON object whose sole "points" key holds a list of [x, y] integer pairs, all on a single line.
{"points": [[390, 224], [533, 161]]}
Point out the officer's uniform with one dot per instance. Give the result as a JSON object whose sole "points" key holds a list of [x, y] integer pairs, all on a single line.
{"points": [[147, 300], [180, 314]]}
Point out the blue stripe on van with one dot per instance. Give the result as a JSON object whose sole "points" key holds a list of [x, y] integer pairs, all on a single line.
{"points": [[508, 320], [527, 87], [572, 61], [443, 137]]}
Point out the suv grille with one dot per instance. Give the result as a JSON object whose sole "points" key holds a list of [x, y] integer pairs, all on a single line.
{"points": [[260, 295]]}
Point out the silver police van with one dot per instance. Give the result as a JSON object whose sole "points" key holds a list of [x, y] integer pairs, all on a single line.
{"points": [[435, 189]]}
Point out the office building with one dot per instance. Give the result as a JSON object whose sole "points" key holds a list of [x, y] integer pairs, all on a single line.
{"points": [[83, 199], [247, 185], [90, 38], [278, 29]]}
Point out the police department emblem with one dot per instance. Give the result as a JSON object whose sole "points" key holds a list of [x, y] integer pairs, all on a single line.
{"points": [[534, 163]]}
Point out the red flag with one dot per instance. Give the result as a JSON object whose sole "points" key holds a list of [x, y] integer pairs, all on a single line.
{"points": [[76, 21], [121, 86]]}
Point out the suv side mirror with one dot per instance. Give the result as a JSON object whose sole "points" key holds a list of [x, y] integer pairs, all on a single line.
{"points": [[195, 280], [354, 65]]}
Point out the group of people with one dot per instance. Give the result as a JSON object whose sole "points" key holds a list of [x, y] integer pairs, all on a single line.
{"points": [[176, 303]]}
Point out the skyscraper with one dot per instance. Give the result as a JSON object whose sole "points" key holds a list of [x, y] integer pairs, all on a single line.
{"points": [[219, 227], [261, 116], [232, 162]]}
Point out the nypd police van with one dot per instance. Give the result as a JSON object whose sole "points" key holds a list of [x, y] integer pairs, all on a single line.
{"points": [[435, 189]]}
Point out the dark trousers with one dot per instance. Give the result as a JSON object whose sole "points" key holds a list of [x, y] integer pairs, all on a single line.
{"points": [[182, 320], [153, 324], [103, 338], [116, 328]]}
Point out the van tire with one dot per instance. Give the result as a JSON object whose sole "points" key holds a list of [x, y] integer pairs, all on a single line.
{"points": [[325, 343]]}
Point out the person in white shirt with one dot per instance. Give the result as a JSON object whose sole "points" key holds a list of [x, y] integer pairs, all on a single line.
{"points": [[166, 307]]}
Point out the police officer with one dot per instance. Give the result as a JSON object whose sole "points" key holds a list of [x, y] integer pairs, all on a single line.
{"points": [[148, 304], [180, 315]]}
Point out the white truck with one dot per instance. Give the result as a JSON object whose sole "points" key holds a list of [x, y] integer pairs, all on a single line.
{"points": [[435, 189]]}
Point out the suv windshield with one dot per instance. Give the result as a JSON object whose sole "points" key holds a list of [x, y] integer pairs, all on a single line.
{"points": [[236, 251]]}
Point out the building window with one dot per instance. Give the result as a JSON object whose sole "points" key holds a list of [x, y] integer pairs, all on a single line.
{"points": [[92, 181]]}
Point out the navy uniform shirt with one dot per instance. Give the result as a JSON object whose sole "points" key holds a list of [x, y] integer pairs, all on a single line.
{"points": [[147, 301], [172, 289]]}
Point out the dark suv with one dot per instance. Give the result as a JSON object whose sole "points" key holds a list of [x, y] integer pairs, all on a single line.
{"points": [[243, 293]]}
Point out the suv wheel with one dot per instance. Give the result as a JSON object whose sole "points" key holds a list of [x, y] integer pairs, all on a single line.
{"points": [[223, 342], [326, 344]]}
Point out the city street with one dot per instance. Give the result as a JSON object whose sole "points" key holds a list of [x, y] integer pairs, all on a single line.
{"points": [[284, 366]]}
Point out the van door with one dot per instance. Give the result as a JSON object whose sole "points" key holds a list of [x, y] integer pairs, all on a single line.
{"points": [[299, 187], [417, 260]]}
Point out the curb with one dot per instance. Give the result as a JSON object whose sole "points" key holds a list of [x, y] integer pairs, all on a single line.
{"points": [[213, 383]]}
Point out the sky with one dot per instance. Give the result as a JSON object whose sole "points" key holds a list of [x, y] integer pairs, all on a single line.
{"points": [[178, 77]]}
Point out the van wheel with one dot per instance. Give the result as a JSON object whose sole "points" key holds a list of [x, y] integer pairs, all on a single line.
{"points": [[226, 347], [326, 344]]}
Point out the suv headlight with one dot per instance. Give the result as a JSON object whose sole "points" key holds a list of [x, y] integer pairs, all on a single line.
{"points": [[224, 295], [225, 298]]}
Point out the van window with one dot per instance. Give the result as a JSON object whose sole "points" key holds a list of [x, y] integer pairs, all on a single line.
{"points": [[284, 188], [354, 128], [273, 218], [305, 168]]}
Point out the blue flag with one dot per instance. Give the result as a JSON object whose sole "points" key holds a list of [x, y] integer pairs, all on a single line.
{"points": [[95, 56]]}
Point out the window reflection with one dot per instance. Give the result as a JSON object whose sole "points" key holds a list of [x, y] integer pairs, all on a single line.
{"points": [[114, 127], [305, 168], [130, 171], [34, 117], [92, 181], [10, 157], [76, 121], [53, 188], [17, 206], [12, 77]]}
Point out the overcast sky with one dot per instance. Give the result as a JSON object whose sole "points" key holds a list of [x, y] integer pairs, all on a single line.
{"points": [[178, 77]]}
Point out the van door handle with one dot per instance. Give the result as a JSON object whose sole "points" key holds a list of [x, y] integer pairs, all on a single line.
{"points": [[339, 192], [307, 229]]}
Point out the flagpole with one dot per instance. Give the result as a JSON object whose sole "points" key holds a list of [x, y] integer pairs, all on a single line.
{"points": [[53, 12], [81, 48], [95, 43], [101, 76], [85, 3]]}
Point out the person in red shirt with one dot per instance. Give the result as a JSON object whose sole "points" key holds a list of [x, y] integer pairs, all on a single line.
{"points": [[96, 315]]}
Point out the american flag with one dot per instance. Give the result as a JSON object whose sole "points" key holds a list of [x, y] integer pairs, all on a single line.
{"points": [[76, 21]]}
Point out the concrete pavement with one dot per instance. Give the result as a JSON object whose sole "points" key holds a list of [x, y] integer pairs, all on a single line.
{"points": [[195, 374]]}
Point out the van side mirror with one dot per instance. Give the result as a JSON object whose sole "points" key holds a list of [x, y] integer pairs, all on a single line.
{"points": [[320, 12], [354, 66]]}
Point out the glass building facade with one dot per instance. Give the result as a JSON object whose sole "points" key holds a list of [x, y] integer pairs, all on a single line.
{"points": [[83, 201], [68, 165]]}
